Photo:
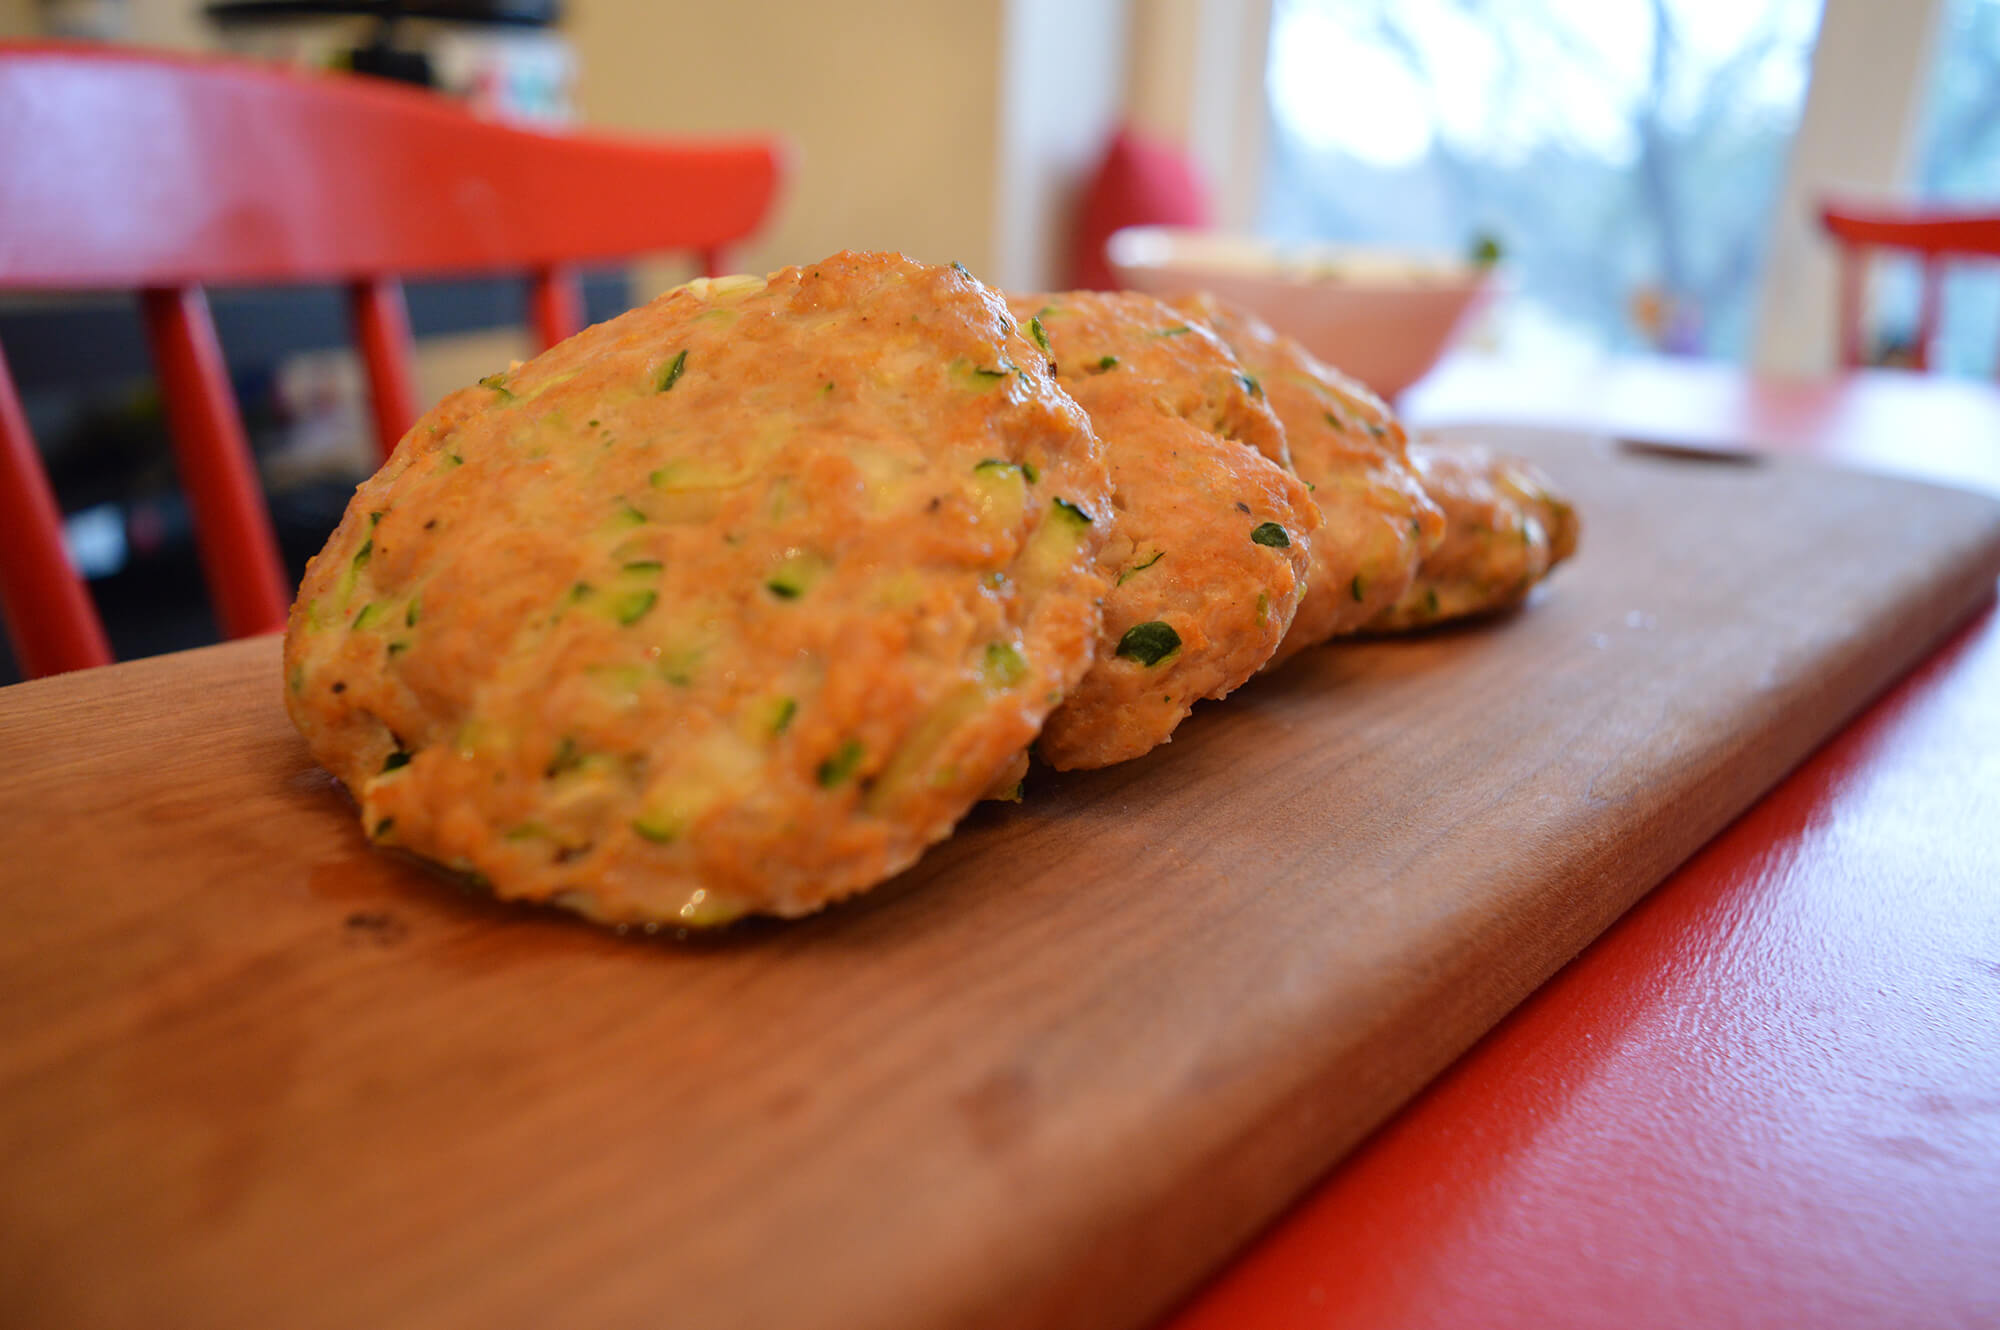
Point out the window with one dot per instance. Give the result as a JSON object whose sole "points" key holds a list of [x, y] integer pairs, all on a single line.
{"points": [[1624, 154]]}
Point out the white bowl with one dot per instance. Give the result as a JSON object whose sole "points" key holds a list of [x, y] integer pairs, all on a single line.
{"points": [[1381, 316]]}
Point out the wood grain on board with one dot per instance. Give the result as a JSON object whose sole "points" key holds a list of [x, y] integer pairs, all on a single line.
{"points": [[252, 1073]]}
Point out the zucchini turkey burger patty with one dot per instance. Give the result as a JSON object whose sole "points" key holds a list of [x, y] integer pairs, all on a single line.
{"points": [[733, 603], [1506, 528], [1209, 531], [1376, 521]]}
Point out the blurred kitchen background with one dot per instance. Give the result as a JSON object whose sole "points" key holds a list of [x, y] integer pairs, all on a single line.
{"points": [[1647, 173]]}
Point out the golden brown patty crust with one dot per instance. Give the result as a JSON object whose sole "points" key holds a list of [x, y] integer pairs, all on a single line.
{"points": [[1208, 546], [1506, 527], [1376, 523], [733, 603]]}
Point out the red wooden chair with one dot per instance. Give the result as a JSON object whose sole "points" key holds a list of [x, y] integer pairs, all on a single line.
{"points": [[1934, 236], [121, 170]]}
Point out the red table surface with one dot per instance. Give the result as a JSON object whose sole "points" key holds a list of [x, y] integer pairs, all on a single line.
{"points": [[1770, 1095]]}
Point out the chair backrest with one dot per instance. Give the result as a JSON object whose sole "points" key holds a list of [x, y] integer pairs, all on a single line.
{"points": [[1933, 236], [122, 170]]}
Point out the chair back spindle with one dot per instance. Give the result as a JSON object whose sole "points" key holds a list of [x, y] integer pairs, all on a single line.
{"points": [[239, 549], [555, 298], [47, 612], [382, 328]]}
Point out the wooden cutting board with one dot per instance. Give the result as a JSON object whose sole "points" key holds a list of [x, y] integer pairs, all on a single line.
{"points": [[252, 1074]]}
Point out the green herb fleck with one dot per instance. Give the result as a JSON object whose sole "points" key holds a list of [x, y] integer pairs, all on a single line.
{"points": [[366, 616], [841, 765], [632, 606], [1040, 334], [361, 556], [627, 515], [1106, 362], [1141, 567], [781, 718], [1173, 332], [1250, 384], [644, 566], [498, 383], [1376, 428], [1076, 514], [1028, 470], [672, 374], [580, 592], [396, 761], [1270, 533], [960, 269], [978, 377], [1149, 643], [410, 615], [1263, 608], [384, 827], [1430, 600], [398, 647], [1356, 587], [796, 574]]}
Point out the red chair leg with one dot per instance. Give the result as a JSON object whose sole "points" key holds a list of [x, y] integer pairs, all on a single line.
{"points": [[555, 298], [239, 551], [382, 326], [1852, 262], [1929, 312], [714, 261], [48, 613]]}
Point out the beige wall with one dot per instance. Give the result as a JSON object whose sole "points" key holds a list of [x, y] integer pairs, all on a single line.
{"points": [[890, 106]]}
